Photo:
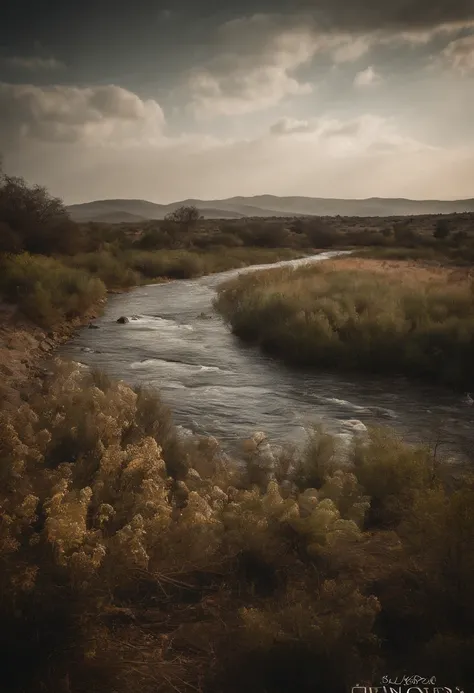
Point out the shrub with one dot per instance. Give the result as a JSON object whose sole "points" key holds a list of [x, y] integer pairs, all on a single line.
{"points": [[392, 475], [112, 270], [317, 460], [115, 576], [442, 229], [357, 316], [46, 291], [319, 235], [404, 234]]}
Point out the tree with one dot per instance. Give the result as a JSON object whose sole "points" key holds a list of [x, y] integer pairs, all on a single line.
{"points": [[32, 220], [179, 223], [442, 229], [297, 225], [186, 216]]}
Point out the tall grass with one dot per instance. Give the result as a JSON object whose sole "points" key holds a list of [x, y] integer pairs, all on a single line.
{"points": [[446, 255], [50, 290], [45, 290], [106, 266], [123, 269], [358, 315]]}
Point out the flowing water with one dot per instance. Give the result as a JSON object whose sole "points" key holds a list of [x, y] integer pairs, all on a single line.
{"points": [[216, 385]]}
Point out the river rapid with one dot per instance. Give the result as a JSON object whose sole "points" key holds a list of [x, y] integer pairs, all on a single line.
{"points": [[216, 385]]}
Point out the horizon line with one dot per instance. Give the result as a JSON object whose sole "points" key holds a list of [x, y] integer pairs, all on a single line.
{"points": [[251, 197]]}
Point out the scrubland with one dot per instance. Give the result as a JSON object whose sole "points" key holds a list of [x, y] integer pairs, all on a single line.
{"points": [[134, 560], [396, 317], [131, 560]]}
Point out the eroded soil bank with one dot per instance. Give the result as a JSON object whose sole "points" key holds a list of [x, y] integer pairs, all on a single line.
{"points": [[25, 348]]}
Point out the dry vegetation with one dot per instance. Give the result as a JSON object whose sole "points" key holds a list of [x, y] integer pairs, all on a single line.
{"points": [[360, 314], [131, 561], [90, 258]]}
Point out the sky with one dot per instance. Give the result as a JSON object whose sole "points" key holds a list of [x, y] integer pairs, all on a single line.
{"points": [[209, 99]]}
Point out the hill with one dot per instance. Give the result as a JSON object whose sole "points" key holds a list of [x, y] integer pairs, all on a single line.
{"points": [[267, 206]]}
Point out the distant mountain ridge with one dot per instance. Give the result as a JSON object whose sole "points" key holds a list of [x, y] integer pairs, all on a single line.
{"points": [[115, 211]]}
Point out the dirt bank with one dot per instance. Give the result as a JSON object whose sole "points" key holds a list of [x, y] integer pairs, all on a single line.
{"points": [[25, 348]]}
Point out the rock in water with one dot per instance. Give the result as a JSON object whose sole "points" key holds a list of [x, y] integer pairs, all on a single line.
{"points": [[123, 320]]}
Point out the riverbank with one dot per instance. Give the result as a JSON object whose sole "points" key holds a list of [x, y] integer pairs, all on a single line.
{"points": [[356, 314], [25, 345], [133, 560]]}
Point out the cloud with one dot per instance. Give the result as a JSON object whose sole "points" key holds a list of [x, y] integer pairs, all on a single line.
{"points": [[357, 136], [323, 128], [68, 114], [253, 69], [359, 158], [34, 63], [393, 16], [242, 91], [460, 54], [258, 57], [257, 62], [351, 128], [367, 78], [288, 126], [327, 156]]}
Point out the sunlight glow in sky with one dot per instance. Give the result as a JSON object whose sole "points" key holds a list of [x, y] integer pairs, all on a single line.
{"points": [[169, 101]]}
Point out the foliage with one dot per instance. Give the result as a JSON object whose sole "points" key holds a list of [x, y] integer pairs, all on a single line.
{"points": [[132, 560], [442, 229], [106, 266], [404, 234], [367, 317], [393, 475], [45, 290], [33, 221], [186, 215]]}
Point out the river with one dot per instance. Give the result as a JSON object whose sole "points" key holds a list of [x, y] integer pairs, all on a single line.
{"points": [[216, 385]]}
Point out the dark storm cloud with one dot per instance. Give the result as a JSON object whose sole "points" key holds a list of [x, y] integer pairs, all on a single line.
{"points": [[148, 41], [33, 63], [59, 22], [396, 15]]}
